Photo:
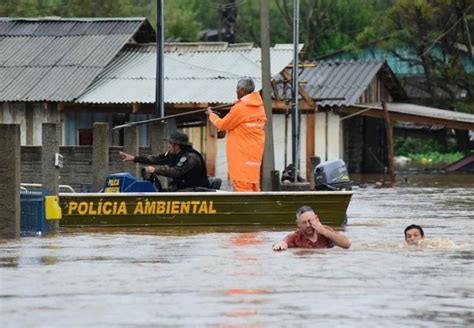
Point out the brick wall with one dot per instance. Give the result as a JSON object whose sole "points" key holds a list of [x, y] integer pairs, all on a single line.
{"points": [[77, 170]]}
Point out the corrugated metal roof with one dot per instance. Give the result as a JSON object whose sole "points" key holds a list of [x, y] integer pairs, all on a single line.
{"points": [[190, 77], [338, 80], [56, 59], [423, 111], [71, 26], [399, 64], [205, 46]]}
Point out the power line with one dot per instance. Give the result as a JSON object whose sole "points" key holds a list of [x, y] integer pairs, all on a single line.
{"points": [[444, 33], [218, 4]]}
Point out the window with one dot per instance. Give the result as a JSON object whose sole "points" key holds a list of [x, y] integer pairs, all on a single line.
{"points": [[85, 137]]}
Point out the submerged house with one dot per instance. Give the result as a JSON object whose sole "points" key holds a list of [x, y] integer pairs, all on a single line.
{"points": [[348, 121], [46, 64], [79, 71]]}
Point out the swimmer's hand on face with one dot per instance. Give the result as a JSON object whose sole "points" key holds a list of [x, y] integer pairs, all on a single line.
{"points": [[280, 246], [316, 225]]}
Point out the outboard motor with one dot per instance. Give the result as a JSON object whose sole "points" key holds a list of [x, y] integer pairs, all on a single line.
{"points": [[332, 175]]}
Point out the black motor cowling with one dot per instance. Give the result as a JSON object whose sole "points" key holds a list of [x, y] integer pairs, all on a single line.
{"points": [[332, 175]]}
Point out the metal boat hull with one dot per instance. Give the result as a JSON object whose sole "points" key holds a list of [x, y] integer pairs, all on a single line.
{"points": [[199, 208]]}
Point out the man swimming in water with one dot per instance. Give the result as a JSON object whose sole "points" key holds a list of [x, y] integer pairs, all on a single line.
{"points": [[311, 233], [413, 234]]}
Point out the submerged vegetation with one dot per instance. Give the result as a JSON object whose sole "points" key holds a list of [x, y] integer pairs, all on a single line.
{"points": [[426, 151]]}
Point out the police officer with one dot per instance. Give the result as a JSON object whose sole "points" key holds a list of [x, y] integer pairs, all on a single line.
{"points": [[181, 162]]}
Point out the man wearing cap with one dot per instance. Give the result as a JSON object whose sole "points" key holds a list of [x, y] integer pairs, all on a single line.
{"points": [[246, 140], [311, 233], [181, 162]]}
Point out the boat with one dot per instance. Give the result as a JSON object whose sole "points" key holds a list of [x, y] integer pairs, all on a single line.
{"points": [[129, 202], [150, 209]]}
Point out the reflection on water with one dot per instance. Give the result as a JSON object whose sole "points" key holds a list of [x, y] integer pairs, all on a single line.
{"points": [[229, 277]]}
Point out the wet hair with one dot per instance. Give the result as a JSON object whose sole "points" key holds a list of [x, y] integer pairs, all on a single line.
{"points": [[303, 209], [414, 226], [246, 84]]}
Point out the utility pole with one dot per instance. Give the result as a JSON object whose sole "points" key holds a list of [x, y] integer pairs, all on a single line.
{"points": [[228, 13], [268, 155], [159, 107], [294, 91]]}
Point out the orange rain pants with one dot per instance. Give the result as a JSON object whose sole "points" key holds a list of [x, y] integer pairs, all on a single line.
{"points": [[245, 186], [246, 139]]}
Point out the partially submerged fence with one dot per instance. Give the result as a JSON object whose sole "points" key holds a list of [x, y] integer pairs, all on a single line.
{"points": [[32, 219]]}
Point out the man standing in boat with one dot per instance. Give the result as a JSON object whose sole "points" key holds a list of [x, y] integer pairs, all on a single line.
{"points": [[181, 162], [246, 140], [311, 233]]}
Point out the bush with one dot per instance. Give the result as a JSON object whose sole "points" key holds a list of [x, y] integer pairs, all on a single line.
{"points": [[436, 157], [407, 146], [424, 151]]}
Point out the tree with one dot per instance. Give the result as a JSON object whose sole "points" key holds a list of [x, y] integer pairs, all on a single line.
{"points": [[433, 34], [327, 25]]}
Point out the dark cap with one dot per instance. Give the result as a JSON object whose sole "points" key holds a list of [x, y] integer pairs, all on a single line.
{"points": [[179, 138]]}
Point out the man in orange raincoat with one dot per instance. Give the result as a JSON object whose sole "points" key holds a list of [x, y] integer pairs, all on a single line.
{"points": [[246, 140]]}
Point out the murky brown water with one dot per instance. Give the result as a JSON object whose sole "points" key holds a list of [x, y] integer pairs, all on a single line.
{"points": [[231, 278]]}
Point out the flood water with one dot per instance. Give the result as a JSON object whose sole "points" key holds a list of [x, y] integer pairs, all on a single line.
{"points": [[231, 277]]}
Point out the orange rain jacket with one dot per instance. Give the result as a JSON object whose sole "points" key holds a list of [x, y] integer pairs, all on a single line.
{"points": [[246, 140]]}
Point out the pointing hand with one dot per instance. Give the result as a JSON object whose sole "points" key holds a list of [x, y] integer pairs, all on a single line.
{"points": [[126, 157]]}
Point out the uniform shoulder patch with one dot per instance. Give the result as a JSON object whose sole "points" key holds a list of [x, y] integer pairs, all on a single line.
{"points": [[181, 161]]}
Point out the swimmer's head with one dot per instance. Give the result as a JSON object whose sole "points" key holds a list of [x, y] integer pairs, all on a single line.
{"points": [[413, 234]]}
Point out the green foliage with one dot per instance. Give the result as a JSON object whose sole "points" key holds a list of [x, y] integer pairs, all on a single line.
{"points": [[424, 151], [66, 8], [327, 25], [464, 107], [181, 23], [407, 146], [436, 157], [434, 31]]}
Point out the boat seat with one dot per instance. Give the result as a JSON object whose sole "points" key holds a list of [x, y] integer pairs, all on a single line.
{"points": [[215, 183]]}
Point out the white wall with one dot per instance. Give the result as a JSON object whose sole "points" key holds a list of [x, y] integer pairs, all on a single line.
{"points": [[15, 113], [37, 125], [328, 137], [221, 163], [334, 137], [320, 136]]}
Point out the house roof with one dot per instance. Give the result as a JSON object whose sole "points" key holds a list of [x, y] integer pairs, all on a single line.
{"points": [[196, 73], [419, 114], [346, 79], [55, 59], [400, 64], [405, 67], [205, 46]]}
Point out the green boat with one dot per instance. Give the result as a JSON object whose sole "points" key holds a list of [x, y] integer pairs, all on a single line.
{"points": [[149, 209]]}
